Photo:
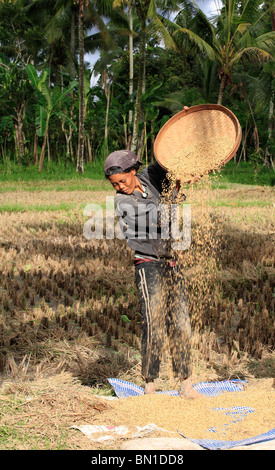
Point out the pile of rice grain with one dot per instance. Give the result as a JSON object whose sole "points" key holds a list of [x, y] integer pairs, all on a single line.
{"points": [[198, 419]]}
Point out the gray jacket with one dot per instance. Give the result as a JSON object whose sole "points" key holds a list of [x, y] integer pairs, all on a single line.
{"points": [[141, 218]]}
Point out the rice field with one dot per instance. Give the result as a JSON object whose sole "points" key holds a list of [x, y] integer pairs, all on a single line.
{"points": [[70, 313]]}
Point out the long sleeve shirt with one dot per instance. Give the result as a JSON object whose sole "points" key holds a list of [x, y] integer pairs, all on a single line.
{"points": [[143, 219]]}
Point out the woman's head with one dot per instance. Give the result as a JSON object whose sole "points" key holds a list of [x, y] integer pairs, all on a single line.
{"points": [[124, 182], [121, 168]]}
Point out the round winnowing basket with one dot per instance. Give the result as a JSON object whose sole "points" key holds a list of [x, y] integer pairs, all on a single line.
{"points": [[200, 139]]}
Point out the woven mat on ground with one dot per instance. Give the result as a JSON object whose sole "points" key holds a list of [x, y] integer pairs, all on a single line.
{"points": [[125, 389]]}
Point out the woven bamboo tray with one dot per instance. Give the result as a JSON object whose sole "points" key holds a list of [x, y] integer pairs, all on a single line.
{"points": [[198, 124]]}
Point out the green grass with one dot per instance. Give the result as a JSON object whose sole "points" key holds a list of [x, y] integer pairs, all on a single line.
{"points": [[54, 177], [239, 203], [64, 206], [61, 176], [38, 207], [245, 173], [52, 171], [39, 186], [9, 208], [69, 185]]}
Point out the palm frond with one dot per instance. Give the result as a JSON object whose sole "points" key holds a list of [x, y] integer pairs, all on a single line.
{"points": [[252, 52], [254, 29], [267, 42], [61, 19], [159, 29], [259, 90], [200, 43], [250, 11], [242, 27], [152, 10]]}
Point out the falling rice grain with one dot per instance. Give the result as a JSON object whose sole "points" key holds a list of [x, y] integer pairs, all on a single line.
{"points": [[199, 159]]}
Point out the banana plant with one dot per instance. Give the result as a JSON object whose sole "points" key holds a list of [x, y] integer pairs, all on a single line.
{"points": [[49, 104]]}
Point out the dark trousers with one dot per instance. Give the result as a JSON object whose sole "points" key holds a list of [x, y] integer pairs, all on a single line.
{"points": [[164, 313]]}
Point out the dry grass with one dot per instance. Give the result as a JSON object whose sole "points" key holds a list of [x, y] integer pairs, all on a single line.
{"points": [[65, 302]]}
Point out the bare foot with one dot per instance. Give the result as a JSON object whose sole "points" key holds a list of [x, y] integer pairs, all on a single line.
{"points": [[149, 388], [187, 391]]}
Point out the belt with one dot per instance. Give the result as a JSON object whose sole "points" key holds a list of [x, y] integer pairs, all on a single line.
{"points": [[145, 259]]}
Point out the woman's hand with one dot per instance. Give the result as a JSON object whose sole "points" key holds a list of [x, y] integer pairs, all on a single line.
{"points": [[178, 185]]}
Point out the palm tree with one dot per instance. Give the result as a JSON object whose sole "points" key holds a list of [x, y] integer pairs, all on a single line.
{"points": [[92, 12], [150, 14], [268, 151], [131, 60], [113, 53], [80, 152], [236, 36]]}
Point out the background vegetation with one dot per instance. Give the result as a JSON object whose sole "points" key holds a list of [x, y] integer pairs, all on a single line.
{"points": [[154, 57]]}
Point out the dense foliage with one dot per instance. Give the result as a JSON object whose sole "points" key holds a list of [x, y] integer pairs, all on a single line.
{"points": [[154, 57]]}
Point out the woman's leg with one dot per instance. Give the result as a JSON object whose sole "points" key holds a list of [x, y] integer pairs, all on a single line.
{"points": [[152, 301]]}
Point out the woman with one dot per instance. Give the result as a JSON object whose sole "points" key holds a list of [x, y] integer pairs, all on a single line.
{"points": [[159, 281]]}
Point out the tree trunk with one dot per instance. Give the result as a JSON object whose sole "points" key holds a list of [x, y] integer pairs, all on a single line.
{"points": [[80, 153], [35, 149], [42, 154], [72, 46], [222, 88], [71, 151], [152, 142], [68, 136], [140, 86], [140, 145], [125, 131], [68, 133], [48, 147], [20, 138], [131, 65], [243, 151], [145, 144], [93, 145], [272, 12], [268, 156], [107, 90], [90, 156], [106, 123]]}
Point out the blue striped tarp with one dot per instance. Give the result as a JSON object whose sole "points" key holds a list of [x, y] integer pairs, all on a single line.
{"points": [[125, 389], [212, 444]]}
